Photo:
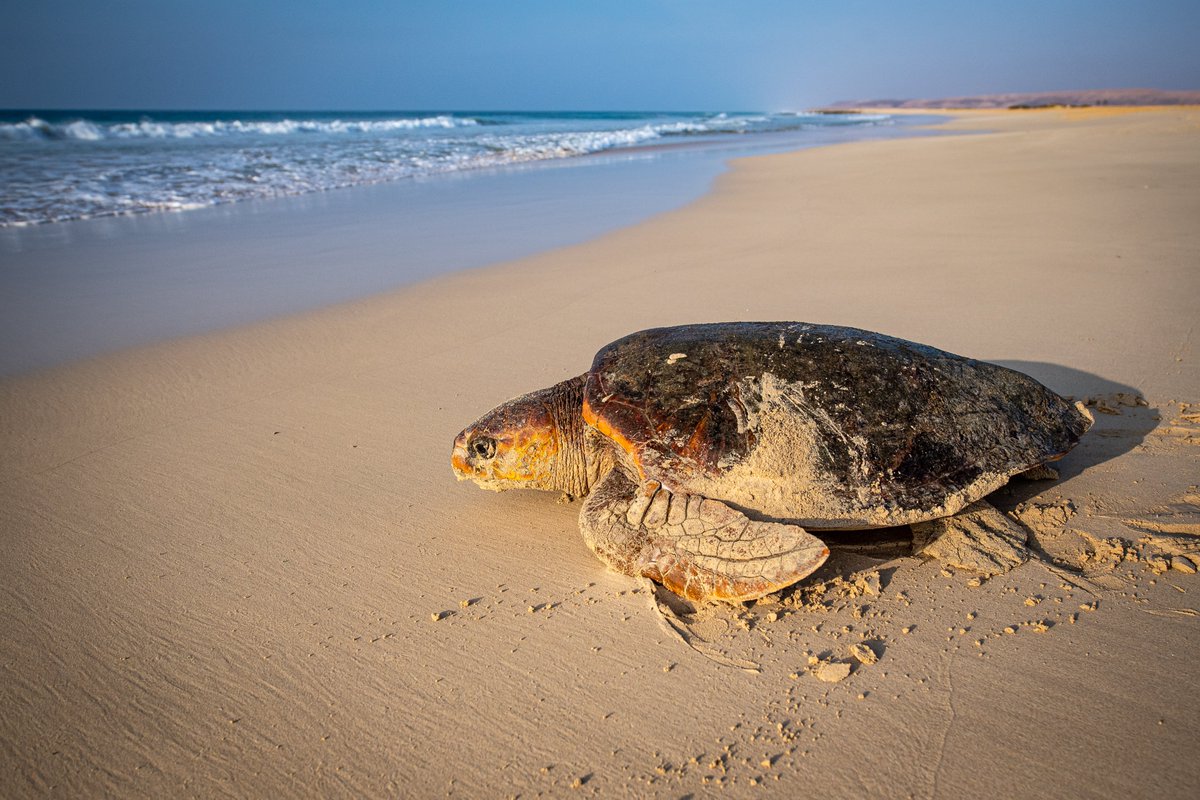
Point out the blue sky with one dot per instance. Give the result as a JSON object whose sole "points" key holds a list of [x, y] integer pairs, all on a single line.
{"points": [[576, 54]]}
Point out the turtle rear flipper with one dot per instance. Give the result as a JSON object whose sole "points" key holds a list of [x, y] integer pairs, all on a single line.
{"points": [[698, 548]]}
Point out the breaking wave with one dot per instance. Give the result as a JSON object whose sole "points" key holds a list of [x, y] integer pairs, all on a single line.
{"points": [[90, 131], [57, 166]]}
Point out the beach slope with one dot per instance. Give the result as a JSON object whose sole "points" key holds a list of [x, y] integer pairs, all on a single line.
{"points": [[239, 564]]}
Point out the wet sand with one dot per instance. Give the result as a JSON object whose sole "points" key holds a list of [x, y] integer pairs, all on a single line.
{"points": [[78, 289], [238, 563]]}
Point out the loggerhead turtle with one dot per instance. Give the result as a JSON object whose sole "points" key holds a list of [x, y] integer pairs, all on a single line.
{"points": [[706, 452]]}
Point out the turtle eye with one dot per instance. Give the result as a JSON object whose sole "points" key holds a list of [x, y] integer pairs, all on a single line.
{"points": [[483, 447]]}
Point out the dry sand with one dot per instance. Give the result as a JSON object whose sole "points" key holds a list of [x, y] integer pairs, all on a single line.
{"points": [[239, 564]]}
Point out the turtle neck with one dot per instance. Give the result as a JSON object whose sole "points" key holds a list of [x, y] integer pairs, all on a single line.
{"points": [[569, 472]]}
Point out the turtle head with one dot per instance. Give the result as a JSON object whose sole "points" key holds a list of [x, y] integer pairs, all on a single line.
{"points": [[531, 442]]}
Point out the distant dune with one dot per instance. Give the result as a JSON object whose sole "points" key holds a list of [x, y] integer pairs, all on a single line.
{"points": [[1088, 97]]}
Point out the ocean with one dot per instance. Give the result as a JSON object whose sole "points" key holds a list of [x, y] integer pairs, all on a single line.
{"points": [[120, 229], [70, 165]]}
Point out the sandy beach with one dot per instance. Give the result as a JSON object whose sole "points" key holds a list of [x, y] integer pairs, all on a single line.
{"points": [[238, 564]]}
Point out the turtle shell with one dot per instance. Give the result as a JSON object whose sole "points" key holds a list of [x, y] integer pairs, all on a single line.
{"points": [[826, 426]]}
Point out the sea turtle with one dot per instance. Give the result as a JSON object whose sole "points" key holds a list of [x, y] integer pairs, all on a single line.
{"points": [[706, 452]]}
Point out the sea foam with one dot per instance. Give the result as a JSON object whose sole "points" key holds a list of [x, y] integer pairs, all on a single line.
{"points": [[57, 166], [90, 131]]}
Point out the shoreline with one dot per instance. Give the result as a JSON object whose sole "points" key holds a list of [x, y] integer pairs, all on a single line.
{"points": [[241, 564], [150, 277]]}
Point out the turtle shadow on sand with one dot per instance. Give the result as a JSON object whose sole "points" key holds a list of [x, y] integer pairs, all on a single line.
{"points": [[1123, 419]]}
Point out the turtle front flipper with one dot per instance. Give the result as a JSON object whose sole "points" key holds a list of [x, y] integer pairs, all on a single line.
{"points": [[698, 548]]}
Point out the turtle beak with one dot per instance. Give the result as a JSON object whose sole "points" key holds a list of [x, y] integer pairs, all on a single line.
{"points": [[458, 459]]}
